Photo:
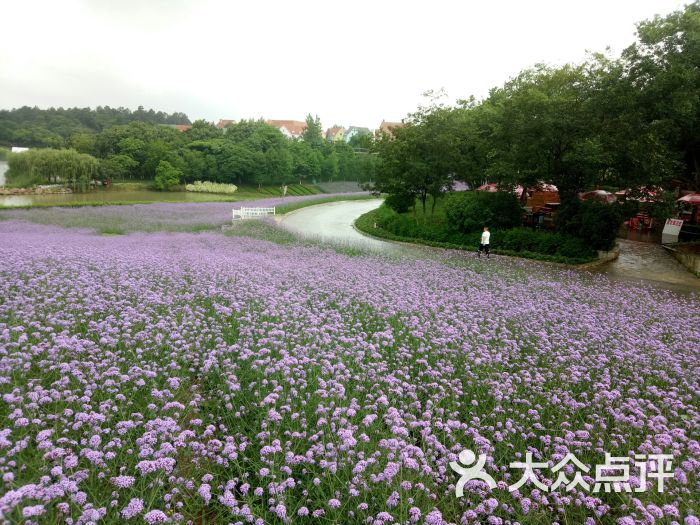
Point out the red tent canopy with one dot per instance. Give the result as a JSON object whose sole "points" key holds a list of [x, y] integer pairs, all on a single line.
{"points": [[692, 198], [598, 195]]}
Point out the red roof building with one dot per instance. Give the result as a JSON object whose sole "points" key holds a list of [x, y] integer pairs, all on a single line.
{"points": [[386, 127], [292, 129], [224, 123]]}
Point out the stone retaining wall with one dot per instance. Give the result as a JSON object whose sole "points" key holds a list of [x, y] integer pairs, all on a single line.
{"points": [[38, 190], [689, 260]]}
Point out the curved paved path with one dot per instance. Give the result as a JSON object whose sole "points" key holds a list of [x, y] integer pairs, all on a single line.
{"points": [[333, 222], [638, 261]]}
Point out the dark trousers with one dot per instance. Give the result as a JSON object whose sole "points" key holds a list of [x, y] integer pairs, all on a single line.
{"points": [[486, 247]]}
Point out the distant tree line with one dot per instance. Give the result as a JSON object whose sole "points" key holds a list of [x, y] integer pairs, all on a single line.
{"points": [[248, 152], [60, 128], [619, 122]]}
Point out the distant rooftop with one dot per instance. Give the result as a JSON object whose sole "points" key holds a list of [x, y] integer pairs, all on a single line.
{"points": [[387, 127], [224, 123], [291, 128]]}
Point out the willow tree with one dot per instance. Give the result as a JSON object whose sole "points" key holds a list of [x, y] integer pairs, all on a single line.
{"points": [[51, 166]]}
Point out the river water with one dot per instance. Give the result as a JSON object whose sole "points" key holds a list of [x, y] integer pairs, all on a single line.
{"points": [[110, 195], [113, 194]]}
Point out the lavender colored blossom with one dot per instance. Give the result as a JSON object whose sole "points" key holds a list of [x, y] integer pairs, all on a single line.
{"points": [[155, 516], [434, 517], [205, 492], [35, 510], [288, 382], [281, 511], [134, 507], [180, 216], [123, 482]]}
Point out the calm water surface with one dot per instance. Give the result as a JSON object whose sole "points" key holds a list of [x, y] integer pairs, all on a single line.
{"points": [[107, 196], [102, 195]]}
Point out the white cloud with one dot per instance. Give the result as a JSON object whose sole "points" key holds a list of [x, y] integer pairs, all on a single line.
{"points": [[351, 63]]}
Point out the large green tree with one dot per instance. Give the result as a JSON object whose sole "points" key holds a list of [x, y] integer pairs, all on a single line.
{"points": [[167, 176], [422, 158], [541, 130], [306, 161], [662, 67], [313, 134], [52, 166]]}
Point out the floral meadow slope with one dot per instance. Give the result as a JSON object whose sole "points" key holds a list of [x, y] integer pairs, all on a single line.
{"points": [[200, 378]]}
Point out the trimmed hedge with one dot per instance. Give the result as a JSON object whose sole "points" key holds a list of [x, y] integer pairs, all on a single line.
{"points": [[470, 211], [211, 187], [519, 242], [595, 223]]}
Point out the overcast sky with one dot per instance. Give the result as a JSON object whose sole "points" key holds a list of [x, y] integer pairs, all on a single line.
{"points": [[351, 63]]}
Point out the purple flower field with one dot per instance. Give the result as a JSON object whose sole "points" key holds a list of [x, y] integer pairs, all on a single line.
{"points": [[169, 216], [202, 378]]}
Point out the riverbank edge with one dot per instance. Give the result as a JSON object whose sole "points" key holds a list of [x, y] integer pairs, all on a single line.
{"points": [[49, 189], [690, 261], [378, 233]]}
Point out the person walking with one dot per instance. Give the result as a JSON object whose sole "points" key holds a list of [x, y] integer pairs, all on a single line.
{"points": [[485, 243]]}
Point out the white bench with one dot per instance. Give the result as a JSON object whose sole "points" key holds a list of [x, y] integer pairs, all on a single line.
{"points": [[249, 213]]}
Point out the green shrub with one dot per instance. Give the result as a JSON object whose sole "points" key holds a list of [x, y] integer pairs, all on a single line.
{"points": [[521, 240], [470, 211], [661, 209], [400, 202], [595, 223], [574, 247], [167, 176]]}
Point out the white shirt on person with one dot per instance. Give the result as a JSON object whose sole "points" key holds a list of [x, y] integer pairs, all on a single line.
{"points": [[485, 237]]}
